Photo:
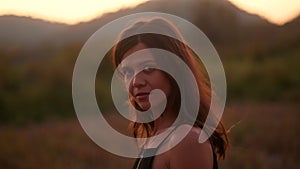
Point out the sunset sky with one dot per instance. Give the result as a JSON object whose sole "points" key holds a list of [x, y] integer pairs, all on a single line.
{"points": [[75, 11]]}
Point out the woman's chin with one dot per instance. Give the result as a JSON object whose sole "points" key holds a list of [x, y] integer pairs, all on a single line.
{"points": [[145, 106]]}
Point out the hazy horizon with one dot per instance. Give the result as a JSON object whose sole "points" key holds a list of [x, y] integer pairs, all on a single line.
{"points": [[55, 12]]}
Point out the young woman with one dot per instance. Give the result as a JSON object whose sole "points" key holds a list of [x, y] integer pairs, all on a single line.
{"points": [[188, 153]]}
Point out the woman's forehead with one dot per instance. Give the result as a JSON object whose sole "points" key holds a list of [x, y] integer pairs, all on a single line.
{"points": [[138, 60], [137, 55]]}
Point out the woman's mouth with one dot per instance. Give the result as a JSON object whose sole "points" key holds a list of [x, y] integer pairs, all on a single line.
{"points": [[142, 96]]}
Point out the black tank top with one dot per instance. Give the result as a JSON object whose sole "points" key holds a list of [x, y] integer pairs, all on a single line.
{"points": [[146, 163]]}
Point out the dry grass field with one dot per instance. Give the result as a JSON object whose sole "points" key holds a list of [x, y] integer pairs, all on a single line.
{"points": [[265, 136]]}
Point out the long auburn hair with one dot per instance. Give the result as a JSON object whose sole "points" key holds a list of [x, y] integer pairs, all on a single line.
{"points": [[219, 138]]}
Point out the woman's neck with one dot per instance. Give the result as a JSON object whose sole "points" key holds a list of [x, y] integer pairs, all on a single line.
{"points": [[164, 122]]}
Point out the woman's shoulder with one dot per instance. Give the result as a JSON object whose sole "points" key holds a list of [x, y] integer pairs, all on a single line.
{"points": [[189, 153], [188, 136], [186, 133]]}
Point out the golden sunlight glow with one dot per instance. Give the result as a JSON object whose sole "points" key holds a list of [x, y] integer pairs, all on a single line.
{"points": [[275, 11], [70, 12], [75, 11]]}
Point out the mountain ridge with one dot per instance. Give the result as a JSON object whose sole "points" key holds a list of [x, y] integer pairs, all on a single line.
{"points": [[223, 23]]}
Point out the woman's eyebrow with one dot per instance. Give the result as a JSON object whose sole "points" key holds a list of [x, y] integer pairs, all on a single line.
{"points": [[127, 65]]}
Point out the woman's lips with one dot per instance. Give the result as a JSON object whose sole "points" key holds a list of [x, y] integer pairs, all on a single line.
{"points": [[142, 96]]}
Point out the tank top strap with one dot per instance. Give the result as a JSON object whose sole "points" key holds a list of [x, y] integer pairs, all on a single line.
{"points": [[145, 151]]}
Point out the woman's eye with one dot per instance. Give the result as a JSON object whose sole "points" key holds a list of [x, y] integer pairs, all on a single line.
{"points": [[127, 72], [148, 69]]}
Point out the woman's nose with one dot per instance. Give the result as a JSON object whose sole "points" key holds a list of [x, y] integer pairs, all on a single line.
{"points": [[138, 80]]}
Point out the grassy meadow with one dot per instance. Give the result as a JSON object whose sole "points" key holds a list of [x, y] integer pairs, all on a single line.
{"points": [[262, 136]]}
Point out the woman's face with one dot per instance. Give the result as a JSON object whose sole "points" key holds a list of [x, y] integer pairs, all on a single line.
{"points": [[141, 77]]}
